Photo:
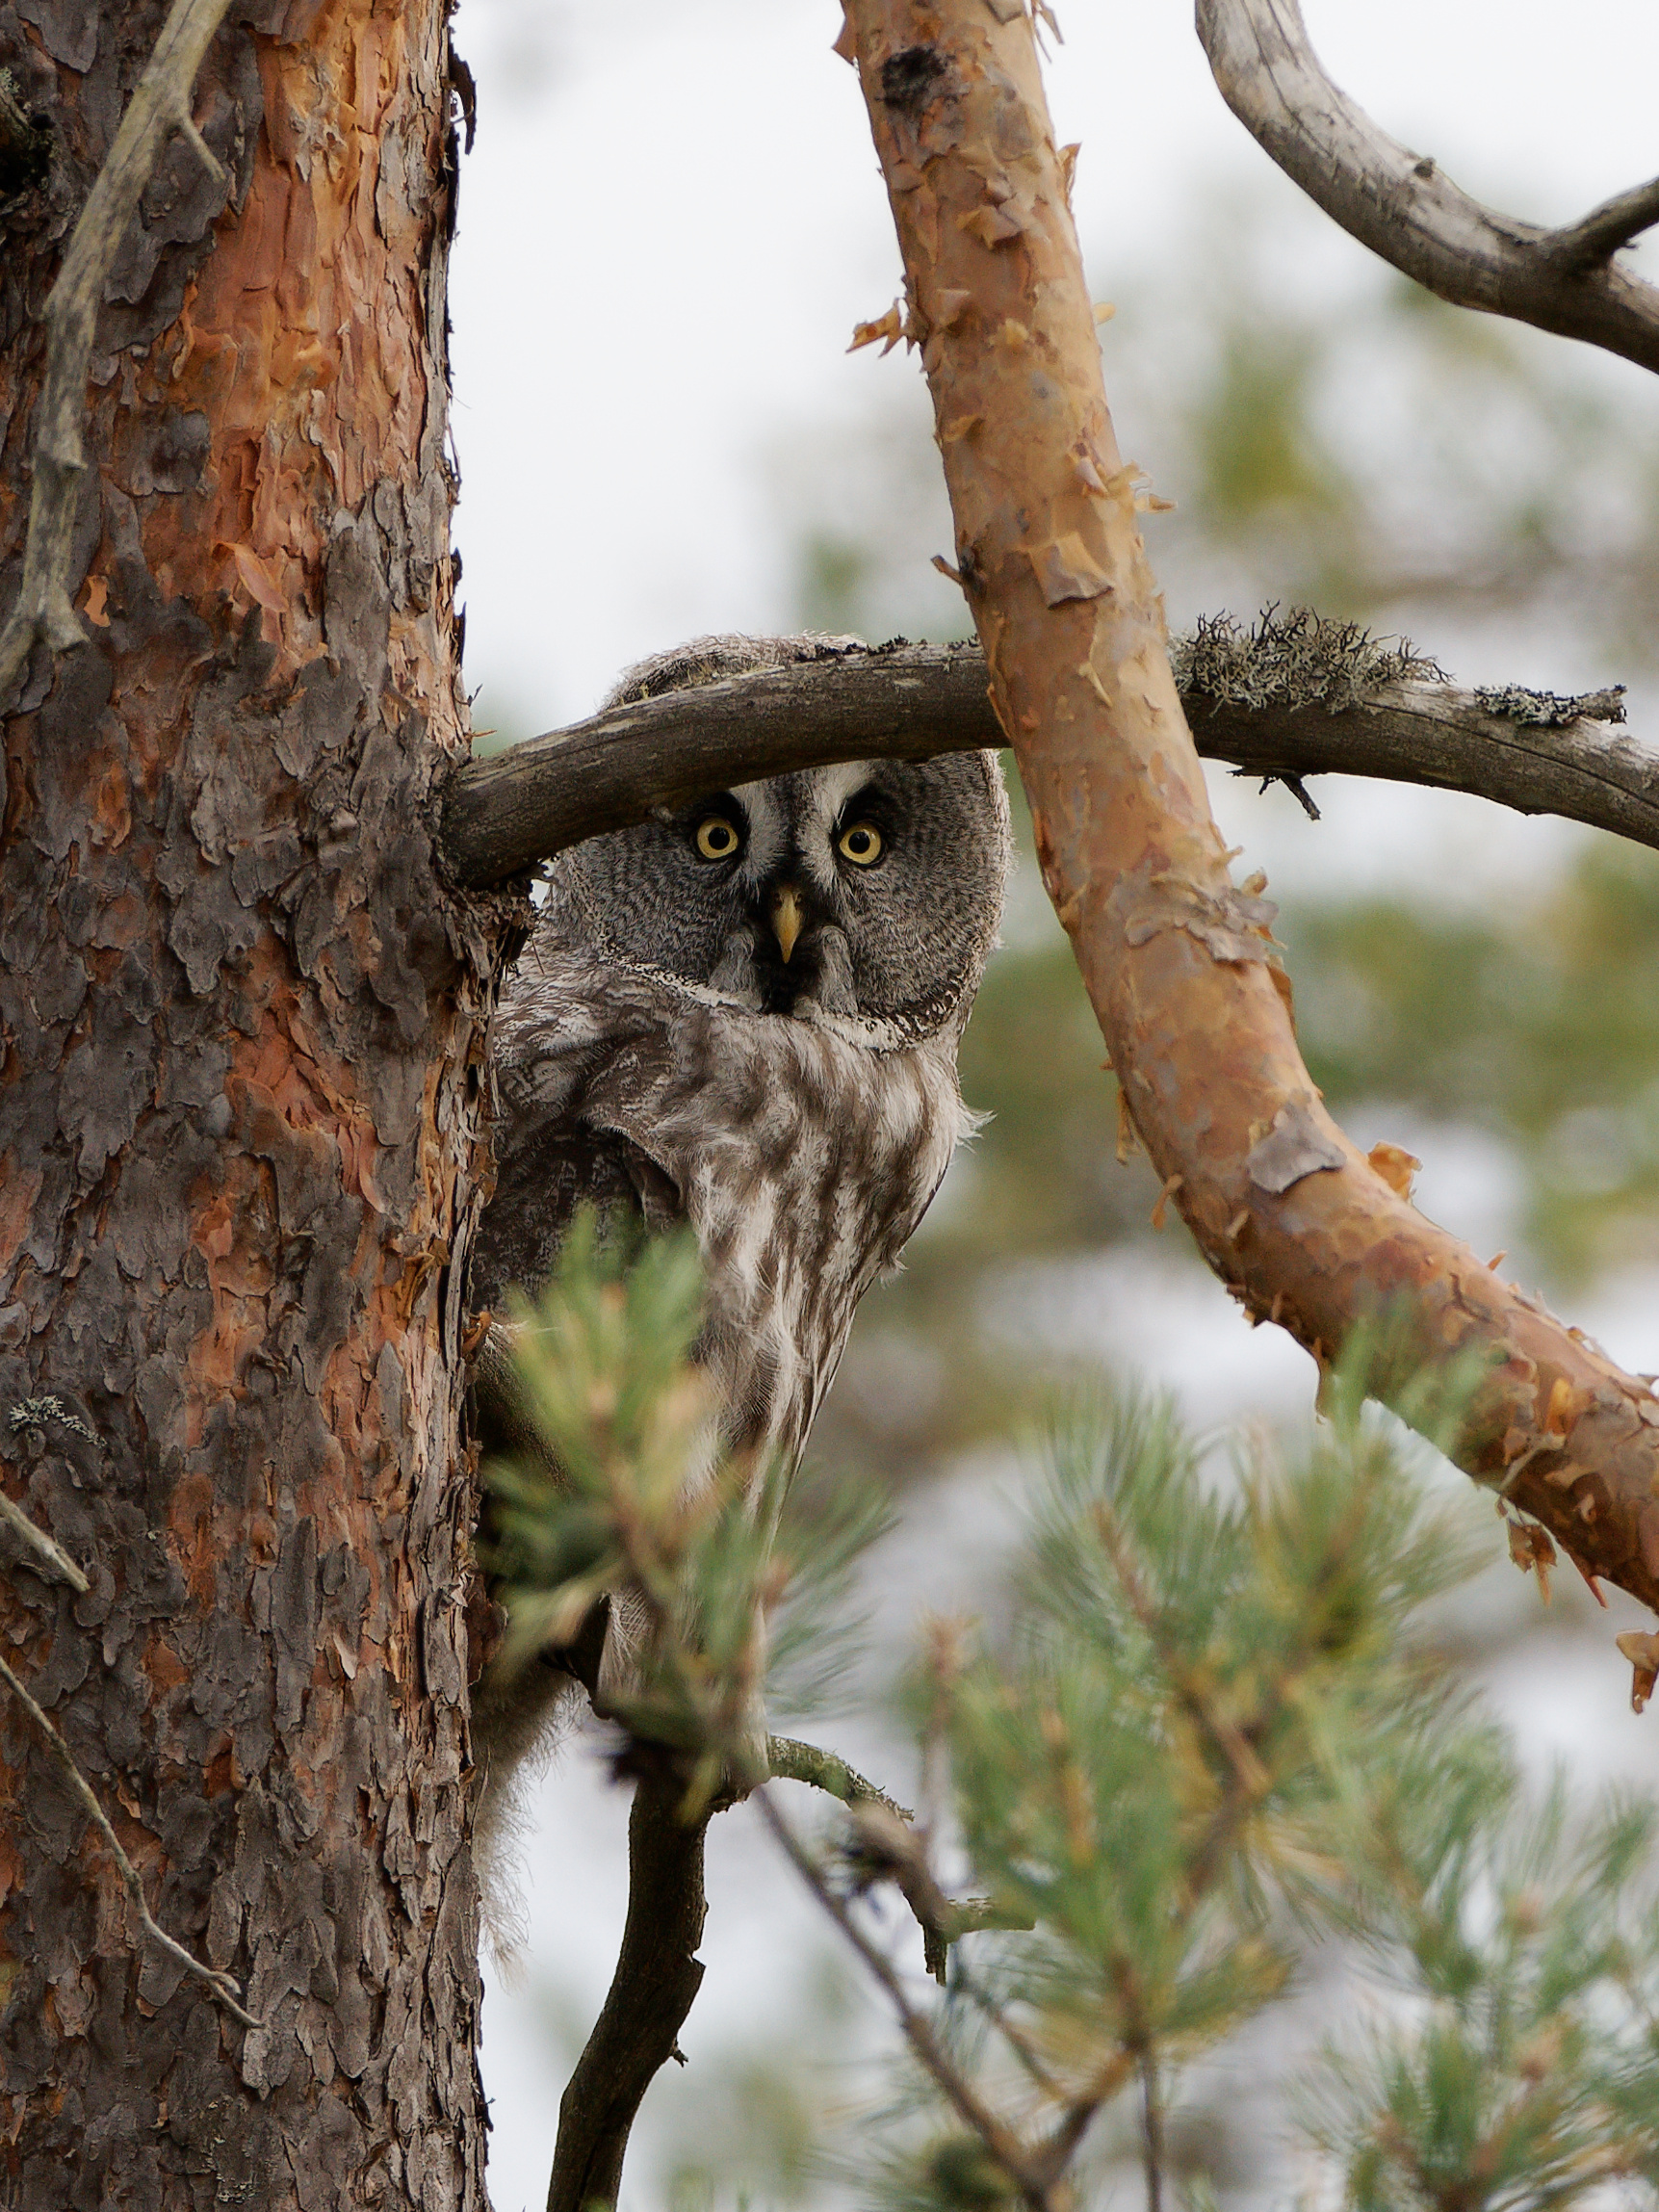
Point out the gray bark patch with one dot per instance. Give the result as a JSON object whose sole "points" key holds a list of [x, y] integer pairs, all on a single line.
{"points": [[1294, 1147]]}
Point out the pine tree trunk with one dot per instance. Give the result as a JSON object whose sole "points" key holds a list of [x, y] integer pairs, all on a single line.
{"points": [[240, 1098]]}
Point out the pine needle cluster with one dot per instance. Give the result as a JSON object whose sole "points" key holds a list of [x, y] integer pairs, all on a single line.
{"points": [[1212, 1729]]}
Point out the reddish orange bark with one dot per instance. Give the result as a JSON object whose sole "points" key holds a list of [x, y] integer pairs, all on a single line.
{"points": [[240, 1097], [1176, 960]]}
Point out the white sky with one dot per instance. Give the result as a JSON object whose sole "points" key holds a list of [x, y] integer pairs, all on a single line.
{"points": [[670, 223], [673, 219]]}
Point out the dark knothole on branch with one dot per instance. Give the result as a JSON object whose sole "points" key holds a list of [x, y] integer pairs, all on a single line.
{"points": [[909, 77]]}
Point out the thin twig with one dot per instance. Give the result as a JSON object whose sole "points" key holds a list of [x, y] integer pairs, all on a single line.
{"points": [[792, 1760], [1225, 1735], [1025, 2050], [160, 107], [1151, 2132], [48, 1553], [1004, 2147], [1061, 2148], [1250, 1780], [222, 1985], [1616, 223]]}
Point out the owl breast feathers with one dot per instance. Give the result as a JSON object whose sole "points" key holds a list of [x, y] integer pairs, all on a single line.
{"points": [[744, 1014]]}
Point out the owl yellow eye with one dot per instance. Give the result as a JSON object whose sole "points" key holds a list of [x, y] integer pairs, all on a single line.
{"points": [[861, 843], [716, 838]]}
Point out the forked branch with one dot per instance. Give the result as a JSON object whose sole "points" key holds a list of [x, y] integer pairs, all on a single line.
{"points": [[1405, 208], [159, 107]]}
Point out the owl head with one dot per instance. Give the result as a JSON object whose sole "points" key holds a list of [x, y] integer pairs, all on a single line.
{"points": [[865, 897]]}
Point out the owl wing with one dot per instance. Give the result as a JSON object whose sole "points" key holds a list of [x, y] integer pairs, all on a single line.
{"points": [[564, 1030]]}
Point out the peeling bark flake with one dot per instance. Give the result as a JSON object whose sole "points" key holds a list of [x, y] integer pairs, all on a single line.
{"points": [[1294, 1147], [1229, 924], [1067, 569]]}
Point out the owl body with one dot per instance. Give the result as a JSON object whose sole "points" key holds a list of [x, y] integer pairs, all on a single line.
{"points": [[744, 1015], [802, 1158]]}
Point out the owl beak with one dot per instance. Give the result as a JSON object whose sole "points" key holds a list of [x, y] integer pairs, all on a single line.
{"points": [[785, 917]]}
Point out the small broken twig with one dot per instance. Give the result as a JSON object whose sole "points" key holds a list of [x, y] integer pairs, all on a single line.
{"points": [[1293, 784], [47, 1554], [159, 108], [221, 1986]]}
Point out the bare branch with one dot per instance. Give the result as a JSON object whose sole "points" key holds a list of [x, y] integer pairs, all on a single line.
{"points": [[501, 815], [792, 1760], [1030, 2173], [1404, 208], [1303, 1228], [658, 1976], [159, 107], [1036, 2170], [221, 1986]]}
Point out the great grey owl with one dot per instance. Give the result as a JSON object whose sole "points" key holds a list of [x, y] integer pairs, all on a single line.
{"points": [[744, 1014]]}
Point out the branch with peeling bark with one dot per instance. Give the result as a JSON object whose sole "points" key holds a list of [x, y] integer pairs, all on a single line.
{"points": [[1404, 208], [1303, 1229], [159, 108], [1525, 751]]}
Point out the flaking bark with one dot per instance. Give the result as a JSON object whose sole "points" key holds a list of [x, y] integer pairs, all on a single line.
{"points": [[239, 1104], [1176, 960]]}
